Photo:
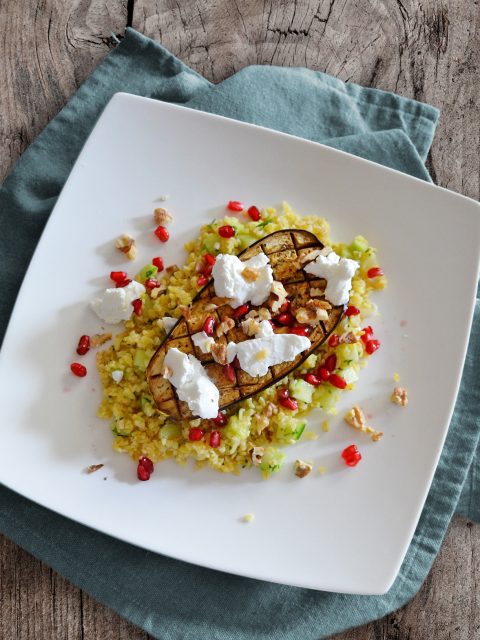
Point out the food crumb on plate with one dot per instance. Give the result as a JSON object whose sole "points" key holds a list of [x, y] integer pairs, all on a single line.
{"points": [[396, 377], [356, 418], [302, 468], [310, 435], [93, 467], [248, 517], [399, 396], [322, 470], [126, 244], [100, 338], [325, 426]]}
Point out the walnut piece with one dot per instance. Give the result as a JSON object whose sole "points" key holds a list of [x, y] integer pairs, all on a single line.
{"points": [[154, 293], [185, 311], [313, 312], [99, 339], [219, 353], [348, 338], [250, 275], [399, 396], [172, 269], [224, 326], [277, 297], [316, 292], [126, 245], [94, 467], [356, 419], [302, 468], [250, 327], [162, 216], [257, 455]]}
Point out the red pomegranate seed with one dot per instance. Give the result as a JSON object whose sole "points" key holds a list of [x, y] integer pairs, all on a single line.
{"points": [[209, 259], [352, 311], [289, 403], [236, 363], [118, 276], [78, 369], [240, 311], [229, 372], [331, 362], [285, 306], [283, 393], [312, 379], [333, 341], [337, 381], [158, 262], [195, 434], [202, 280], [137, 307], [123, 283], [375, 272], [301, 331], [254, 213], [286, 319], [215, 439], [235, 205], [371, 346], [142, 473], [220, 420], [83, 345], [366, 334], [323, 374], [209, 325], [146, 463], [207, 270], [162, 233], [351, 455], [150, 283], [227, 231]]}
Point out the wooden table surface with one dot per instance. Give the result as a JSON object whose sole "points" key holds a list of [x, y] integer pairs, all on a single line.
{"points": [[428, 50]]}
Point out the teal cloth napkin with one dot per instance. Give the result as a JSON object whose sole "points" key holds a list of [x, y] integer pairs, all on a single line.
{"points": [[170, 599]]}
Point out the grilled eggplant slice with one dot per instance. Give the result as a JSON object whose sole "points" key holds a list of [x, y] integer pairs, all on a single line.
{"points": [[288, 252]]}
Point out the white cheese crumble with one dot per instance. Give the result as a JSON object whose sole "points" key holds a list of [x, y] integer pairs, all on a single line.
{"points": [[192, 383], [117, 375], [229, 282], [115, 304], [168, 323], [266, 349], [203, 342], [338, 272]]}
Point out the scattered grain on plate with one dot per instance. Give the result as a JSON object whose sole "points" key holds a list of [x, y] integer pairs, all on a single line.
{"points": [[322, 470], [248, 517], [99, 338], [396, 377], [94, 467], [310, 435], [325, 426]]}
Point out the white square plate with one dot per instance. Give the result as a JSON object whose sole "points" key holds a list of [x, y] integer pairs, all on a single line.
{"points": [[345, 531]]}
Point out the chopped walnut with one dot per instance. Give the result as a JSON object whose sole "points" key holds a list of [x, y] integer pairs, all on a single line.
{"points": [[262, 313], [302, 468], [126, 245], [224, 326], [277, 297], [185, 311], [257, 455], [316, 292], [356, 419], [195, 423], [99, 339], [94, 467], [162, 216], [313, 312], [250, 327], [250, 275], [348, 338], [154, 293], [219, 353], [399, 396], [172, 269]]}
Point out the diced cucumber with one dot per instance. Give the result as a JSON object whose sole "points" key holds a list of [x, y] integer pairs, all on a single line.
{"points": [[171, 431], [288, 429], [147, 405], [301, 390], [327, 397], [272, 460], [209, 243], [148, 271], [141, 359], [359, 244], [246, 239], [348, 353], [238, 426], [119, 428]]}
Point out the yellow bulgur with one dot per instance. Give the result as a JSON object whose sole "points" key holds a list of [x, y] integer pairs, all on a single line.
{"points": [[140, 430]]}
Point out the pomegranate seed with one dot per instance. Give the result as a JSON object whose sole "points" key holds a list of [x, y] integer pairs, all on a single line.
{"points": [[367, 334], [375, 272], [78, 369], [146, 463], [337, 381], [301, 331], [202, 280], [235, 205], [158, 262], [209, 259], [220, 420], [207, 270], [254, 213], [83, 345], [282, 393], [312, 379], [351, 455], [331, 362], [162, 233], [229, 372], [240, 311], [333, 341], [323, 374], [236, 363], [118, 276], [123, 283], [150, 283], [285, 306], [209, 325], [286, 319], [227, 231], [142, 473], [371, 346], [289, 403], [195, 434], [215, 438], [137, 307], [352, 311]]}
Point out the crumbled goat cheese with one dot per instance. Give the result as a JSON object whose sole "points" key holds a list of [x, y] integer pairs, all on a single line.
{"points": [[203, 342], [115, 305], [338, 272], [117, 375], [229, 282]]}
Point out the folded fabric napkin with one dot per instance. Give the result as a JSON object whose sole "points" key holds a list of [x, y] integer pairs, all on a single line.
{"points": [[168, 598]]}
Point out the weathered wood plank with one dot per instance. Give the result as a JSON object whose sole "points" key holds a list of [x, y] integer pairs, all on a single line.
{"points": [[426, 50]]}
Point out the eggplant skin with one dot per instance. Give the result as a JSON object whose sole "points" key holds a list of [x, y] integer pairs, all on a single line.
{"points": [[287, 251]]}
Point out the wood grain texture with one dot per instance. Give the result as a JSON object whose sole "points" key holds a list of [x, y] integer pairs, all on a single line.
{"points": [[428, 50]]}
